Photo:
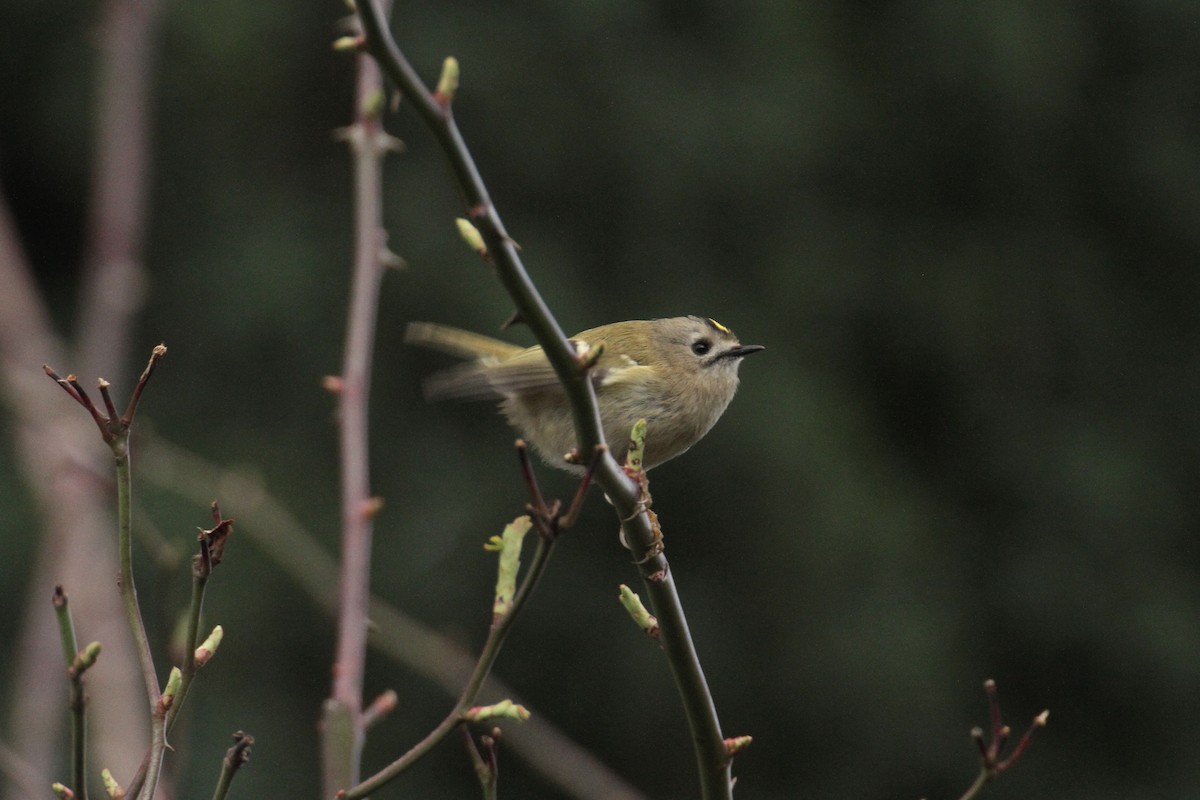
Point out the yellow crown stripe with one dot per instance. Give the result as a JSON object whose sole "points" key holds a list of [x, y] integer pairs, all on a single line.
{"points": [[718, 326]]}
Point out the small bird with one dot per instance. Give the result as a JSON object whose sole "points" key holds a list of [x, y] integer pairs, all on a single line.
{"points": [[678, 374]]}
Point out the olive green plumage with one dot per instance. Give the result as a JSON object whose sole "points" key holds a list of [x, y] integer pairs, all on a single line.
{"points": [[678, 374]]}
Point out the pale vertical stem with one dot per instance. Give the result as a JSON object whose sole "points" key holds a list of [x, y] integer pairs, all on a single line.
{"points": [[114, 275], [344, 730], [75, 545]]}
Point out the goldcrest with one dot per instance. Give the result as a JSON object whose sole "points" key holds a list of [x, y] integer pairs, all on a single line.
{"points": [[678, 374]]}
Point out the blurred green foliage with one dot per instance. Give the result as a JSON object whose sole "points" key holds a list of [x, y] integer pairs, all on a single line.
{"points": [[966, 233]]}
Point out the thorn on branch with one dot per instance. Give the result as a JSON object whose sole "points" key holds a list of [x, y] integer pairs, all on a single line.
{"points": [[371, 507], [380, 708], [514, 318], [388, 257]]}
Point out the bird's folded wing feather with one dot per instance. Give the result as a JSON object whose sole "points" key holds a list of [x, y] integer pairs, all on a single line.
{"points": [[458, 342]]}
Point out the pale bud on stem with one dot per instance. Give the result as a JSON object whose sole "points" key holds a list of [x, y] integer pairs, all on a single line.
{"points": [[208, 648], [633, 604], [447, 83], [505, 709], [470, 234]]}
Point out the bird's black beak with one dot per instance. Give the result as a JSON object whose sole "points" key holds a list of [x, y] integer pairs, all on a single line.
{"points": [[742, 350]]}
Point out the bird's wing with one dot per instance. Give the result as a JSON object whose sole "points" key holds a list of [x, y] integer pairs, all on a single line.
{"points": [[458, 342], [490, 376], [500, 369]]}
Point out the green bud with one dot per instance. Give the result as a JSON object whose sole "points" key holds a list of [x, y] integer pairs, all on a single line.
{"points": [[737, 744], [87, 656], [61, 791], [448, 82], [633, 604], [637, 448], [208, 647], [510, 564], [505, 709], [348, 44], [111, 787], [168, 696], [471, 236], [373, 104]]}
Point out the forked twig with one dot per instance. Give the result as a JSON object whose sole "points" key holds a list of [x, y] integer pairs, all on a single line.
{"points": [[991, 746]]}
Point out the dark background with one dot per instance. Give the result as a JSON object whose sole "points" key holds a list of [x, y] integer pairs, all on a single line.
{"points": [[967, 235]]}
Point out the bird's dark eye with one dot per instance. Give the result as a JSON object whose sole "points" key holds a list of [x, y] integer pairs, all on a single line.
{"points": [[701, 346]]}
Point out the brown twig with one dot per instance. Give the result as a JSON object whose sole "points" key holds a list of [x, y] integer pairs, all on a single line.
{"points": [[441, 660], [345, 728], [991, 746]]}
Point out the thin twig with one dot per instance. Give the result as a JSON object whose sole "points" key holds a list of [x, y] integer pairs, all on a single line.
{"points": [[202, 565], [78, 698], [713, 762], [991, 745], [343, 738], [487, 657], [115, 432], [283, 539], [235, 757]]}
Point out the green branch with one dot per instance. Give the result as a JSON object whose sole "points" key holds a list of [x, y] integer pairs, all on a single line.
{"points": [[78, 662], [114, 429], [211, 544], [487, 657], [435, 111], [235, 757]]}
